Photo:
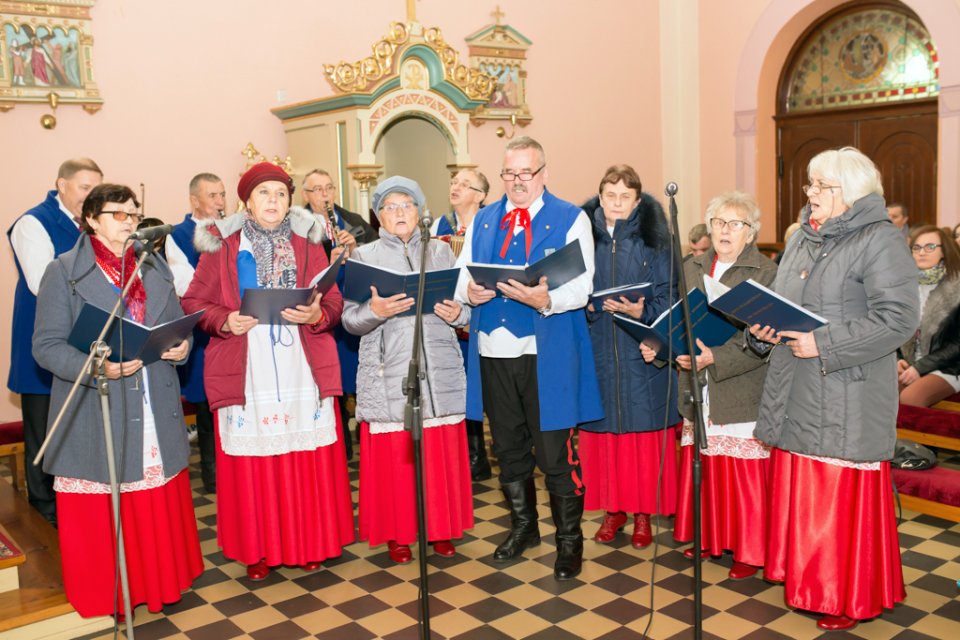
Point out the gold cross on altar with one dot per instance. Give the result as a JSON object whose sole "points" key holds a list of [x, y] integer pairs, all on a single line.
{"points": [[498, 14], [411, 10]]}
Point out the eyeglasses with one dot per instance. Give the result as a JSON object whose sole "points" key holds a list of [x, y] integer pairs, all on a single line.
{"points": [[327, 189], [735, 225], [121, 216], [926, 248], [817, 187], [465, 185], [523, 176], [394, 207]]}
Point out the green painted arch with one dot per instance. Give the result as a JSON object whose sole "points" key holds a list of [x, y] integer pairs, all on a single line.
{"points": [[438, 81]]}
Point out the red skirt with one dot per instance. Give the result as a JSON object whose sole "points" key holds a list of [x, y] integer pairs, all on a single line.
{"points": [[159, 536], [290, 509], [620, 471], [388, 499], [733, 505], [832, 537]]}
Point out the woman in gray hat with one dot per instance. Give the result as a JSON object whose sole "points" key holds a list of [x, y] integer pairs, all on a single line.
{"points": [[387, 497]]}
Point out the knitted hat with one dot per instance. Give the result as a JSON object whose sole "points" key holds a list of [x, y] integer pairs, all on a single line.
{"points": [[262, 172], [398, 184]]}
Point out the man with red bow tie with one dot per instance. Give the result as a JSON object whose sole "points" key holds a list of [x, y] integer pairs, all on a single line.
{"points": [[531, 363]]}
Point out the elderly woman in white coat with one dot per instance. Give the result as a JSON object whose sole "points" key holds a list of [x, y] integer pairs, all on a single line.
{"points": [[387, 497]]}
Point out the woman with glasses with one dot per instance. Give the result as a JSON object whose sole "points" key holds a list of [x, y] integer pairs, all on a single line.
{"points": [[467, 192], [150, 442], [622, 455], [388, 504], [930, 361], [829, 405], [734, 463], [283, 495]]}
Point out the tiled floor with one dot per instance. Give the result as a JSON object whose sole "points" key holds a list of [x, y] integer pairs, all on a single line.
{"points": [[363, 595]]}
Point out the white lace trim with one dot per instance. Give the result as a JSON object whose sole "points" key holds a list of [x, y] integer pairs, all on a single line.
{"points": [[152, 478], [283, 410], [393, 427], [837, 462], [727, 445]]}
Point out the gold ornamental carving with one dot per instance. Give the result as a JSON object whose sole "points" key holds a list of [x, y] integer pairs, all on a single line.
{"points": [[362, 75]]}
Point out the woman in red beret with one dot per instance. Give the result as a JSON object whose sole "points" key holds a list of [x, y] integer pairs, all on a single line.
{"points": [[283, 495]]}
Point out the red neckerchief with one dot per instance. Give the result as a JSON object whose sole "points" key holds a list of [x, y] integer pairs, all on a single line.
{"points": [[110, 265], [814, 225], [713, 267], [512, 219]]}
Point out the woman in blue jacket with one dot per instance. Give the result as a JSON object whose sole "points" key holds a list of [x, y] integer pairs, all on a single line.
{"points": [[622, 454]]}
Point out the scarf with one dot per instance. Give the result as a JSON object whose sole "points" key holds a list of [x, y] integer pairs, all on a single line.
{"points": [[109, 263], [276, 263], [933, 275]]}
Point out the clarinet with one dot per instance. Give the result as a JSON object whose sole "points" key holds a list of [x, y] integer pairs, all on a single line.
{"points": [[333, 224]]}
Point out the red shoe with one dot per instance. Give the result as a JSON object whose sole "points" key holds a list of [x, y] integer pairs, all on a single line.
{"points": [[741, 571], [836, 623], [258, 572], [612, 522], [642, 535], [311, 566], [688, 553], [444, 548], [399, 553]]}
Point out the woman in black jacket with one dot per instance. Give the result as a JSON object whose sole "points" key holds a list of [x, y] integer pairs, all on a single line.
{"points": [[930, 363], [621, 454]]}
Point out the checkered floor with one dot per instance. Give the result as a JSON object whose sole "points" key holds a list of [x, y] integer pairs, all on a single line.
{"points": [[363, 595]]}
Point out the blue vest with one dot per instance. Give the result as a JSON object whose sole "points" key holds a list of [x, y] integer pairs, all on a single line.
{"points": [[26, 376], [191, 372], [443, 227], [566, 378]]}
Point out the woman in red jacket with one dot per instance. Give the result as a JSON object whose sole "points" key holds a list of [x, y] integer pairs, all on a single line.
{"points": [[283, 492]]}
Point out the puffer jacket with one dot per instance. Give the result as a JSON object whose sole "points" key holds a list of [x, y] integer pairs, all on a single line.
{"points": [[637, 396], [858, 274], [386, 344], [939, 332], [737, 373]]}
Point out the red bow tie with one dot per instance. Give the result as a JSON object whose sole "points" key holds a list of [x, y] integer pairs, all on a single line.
{"points": [[516, 217]]}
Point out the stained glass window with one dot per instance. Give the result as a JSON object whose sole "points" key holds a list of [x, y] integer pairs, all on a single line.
{"points": [[869, 56]]}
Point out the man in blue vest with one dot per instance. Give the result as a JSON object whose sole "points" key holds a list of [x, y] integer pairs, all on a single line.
{"points": [[37, 237], [207, 200], [531, 362]]}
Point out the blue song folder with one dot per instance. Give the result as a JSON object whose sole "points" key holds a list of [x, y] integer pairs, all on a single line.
{"points": [[560, 267], [752, 303], [632, 292], [140, 342], [266, 304], [440, 284], [708, 325]]}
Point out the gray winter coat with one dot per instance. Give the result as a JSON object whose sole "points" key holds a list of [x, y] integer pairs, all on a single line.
{"points": [[857, 273], [77, 449], [386, 345]]}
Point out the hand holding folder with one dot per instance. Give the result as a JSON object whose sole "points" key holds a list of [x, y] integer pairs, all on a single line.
{"points": [[267, 305]]}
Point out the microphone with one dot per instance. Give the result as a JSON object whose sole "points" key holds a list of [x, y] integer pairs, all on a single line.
{"points": [[426, 220], [671, 189], [152, 234]]}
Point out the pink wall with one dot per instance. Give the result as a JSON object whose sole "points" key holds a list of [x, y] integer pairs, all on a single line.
{"points": [[187, 84]]}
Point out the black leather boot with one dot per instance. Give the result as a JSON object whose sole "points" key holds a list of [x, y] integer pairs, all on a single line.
{"points": [[345, 427], [567, 514], [208, 448], [524, 530], [479, 465]]}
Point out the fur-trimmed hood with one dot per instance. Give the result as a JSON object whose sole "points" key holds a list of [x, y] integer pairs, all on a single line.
{"points": [[208, 238], [647, 221], [940, 306]]}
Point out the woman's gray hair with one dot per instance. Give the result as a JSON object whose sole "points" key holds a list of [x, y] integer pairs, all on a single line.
{"points": [[855, 172], [742, 202]]}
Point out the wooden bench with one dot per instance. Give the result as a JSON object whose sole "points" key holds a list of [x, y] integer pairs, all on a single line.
{"points": [[11, 447], [936, 491]]}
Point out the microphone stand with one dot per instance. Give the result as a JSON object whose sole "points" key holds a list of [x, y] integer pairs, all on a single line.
{"points": [[413, 422], [98, 351], [699, 427]]}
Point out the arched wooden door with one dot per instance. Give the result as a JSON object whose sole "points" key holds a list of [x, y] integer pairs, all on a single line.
{"points": [[866, 76]]}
